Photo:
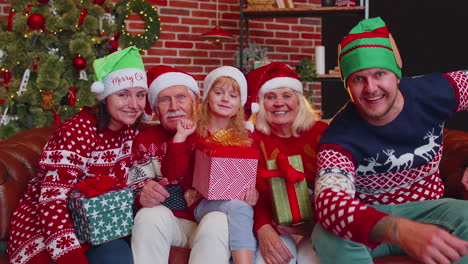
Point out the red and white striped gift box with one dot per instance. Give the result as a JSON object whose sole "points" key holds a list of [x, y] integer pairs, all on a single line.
{"points": [[224, 173]]}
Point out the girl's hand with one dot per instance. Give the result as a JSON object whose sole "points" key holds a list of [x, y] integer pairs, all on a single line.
{"points": [[185, 128], [251, 196]]}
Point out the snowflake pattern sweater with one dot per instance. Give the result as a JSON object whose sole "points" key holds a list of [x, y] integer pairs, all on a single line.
{"points": [[361, 164], [270, 146], [41, 228]]}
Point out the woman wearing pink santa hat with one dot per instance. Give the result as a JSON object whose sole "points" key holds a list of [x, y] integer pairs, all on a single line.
{"points": [[286, 124]]}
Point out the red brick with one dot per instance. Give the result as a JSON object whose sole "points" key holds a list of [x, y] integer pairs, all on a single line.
{"points": [[310, 36], [193, 21], [293, 35], [301, 42], [151, 60], [193, 53], [162, 52], [176, 60], [174, 11], [289, 49], [301, 28], [175, 28], [169, 20], [178, 45], [310, 21], [277, 41], [208, 61], [272, 26], [184, 4]]}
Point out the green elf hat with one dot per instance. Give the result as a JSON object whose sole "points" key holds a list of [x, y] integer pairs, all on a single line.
{"points": [[117, 71], [368, 45]]}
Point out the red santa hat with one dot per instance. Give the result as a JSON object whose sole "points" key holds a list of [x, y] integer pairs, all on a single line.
{"points": [[269, 77], [161, 77]]}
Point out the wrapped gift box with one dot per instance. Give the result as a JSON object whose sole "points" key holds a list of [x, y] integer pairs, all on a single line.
{"points": [[224, 172], [345, 3], [102, 218], [175, 201], [285, 193]]}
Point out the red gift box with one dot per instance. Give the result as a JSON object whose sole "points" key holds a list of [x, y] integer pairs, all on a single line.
{"points": [[224, 172]]}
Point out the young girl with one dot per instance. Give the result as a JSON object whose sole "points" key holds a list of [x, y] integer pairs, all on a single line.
{"points": [[220, 112]]}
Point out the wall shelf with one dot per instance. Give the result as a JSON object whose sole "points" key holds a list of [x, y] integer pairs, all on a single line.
{"points": [[247, 13]]}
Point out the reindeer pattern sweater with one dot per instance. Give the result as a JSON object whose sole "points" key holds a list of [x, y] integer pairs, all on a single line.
{"points": [[361, 164], [41, 229]]}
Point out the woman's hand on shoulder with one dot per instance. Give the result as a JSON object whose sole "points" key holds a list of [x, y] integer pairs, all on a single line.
{"points": [[272, 247], [251, 196]]}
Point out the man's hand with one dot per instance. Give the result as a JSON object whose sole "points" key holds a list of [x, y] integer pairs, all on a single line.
{"points": [[273, 250], [153, 193], [251, 196], [185, 128], [427, 243], [464, 180]]}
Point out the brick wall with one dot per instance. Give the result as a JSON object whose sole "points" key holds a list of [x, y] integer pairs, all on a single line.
{"points": [[182, 22]]}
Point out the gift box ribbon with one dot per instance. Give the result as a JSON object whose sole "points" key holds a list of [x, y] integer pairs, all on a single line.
{"points": [[291, 176], [95, 186]]}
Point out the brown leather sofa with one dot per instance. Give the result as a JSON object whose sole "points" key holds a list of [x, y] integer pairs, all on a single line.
{"points": [[19, 156]]}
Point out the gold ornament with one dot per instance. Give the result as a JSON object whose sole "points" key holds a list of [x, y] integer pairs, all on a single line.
{"points": [[47, 100]]}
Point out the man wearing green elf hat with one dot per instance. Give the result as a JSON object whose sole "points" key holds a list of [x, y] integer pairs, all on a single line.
{"points": [[378, 191]]}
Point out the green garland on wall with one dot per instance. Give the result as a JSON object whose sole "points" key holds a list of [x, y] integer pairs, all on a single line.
{"points": [[144, 41]]}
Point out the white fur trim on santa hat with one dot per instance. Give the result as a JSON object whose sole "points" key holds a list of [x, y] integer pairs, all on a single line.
{"points": [[119, 80], [167, 80], [280, 82], [226, 71]]}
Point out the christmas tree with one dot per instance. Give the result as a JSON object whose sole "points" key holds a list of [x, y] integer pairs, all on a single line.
{"points": [[47, 48]]}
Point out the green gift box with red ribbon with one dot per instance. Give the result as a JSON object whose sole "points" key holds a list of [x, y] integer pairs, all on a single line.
{"points": [[291, 200]]}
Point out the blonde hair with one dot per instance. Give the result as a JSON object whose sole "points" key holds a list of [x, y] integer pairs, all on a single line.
{"points": [[202, 115], [305, 119]]}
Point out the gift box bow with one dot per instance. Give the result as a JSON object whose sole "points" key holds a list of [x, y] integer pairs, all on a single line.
{"points": [[216, 150], [285, 170], [95, 186]]}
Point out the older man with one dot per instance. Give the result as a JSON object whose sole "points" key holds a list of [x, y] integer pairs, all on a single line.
{"points": [[165, 218], [378, 190]]}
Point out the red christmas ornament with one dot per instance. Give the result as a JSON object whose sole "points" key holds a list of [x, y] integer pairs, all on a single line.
{"points": [[36, 21], [99, 2], [2, 101], [84, 11], [71, 96], [57, 119], [6, 77], [114, 44], [43, 1], [10, 20], [79, 63]]}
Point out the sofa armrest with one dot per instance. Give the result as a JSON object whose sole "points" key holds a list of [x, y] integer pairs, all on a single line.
{"points": [[19, 156], [454, 161]]}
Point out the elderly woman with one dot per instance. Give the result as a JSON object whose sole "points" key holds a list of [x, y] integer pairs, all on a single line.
{"points": [[286, 124], [95, 142]]}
